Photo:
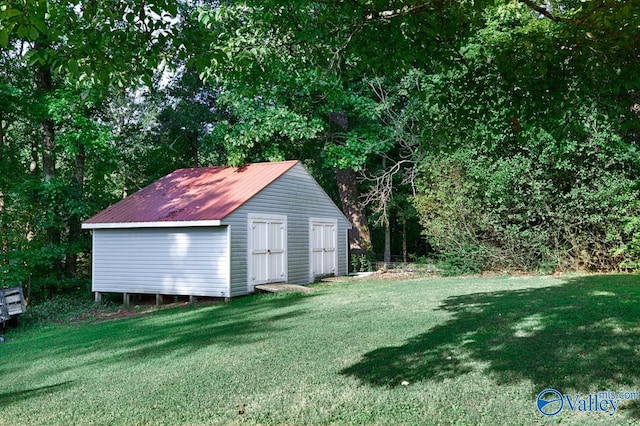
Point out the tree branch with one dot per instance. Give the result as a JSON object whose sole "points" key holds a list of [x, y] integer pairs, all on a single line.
{"points": [[371, 15], [543, 11]]}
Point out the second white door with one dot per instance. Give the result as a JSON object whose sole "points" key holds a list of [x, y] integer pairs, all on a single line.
{"points": [[324, 255]]}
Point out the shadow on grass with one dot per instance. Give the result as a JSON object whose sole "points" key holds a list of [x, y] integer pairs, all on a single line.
{"points": [[11, 397], [242, 322], [167, 332], [581, 336]]}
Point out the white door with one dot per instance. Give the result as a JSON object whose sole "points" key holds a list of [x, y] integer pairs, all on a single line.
{"points": [[323, 241], [267, 238]]}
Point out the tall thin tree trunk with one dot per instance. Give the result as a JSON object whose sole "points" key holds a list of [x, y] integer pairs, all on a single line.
{"points": [[44, 83], [4, 243], [78, 171], [194, 150], [386, 220], [48, 149], [74, 224], [387, 243], [404, 241], [34, 170], [3, 224], [1, 129]]}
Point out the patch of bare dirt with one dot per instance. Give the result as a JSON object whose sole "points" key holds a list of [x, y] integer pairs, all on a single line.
{"points": [[399, 274], [140, 309]]}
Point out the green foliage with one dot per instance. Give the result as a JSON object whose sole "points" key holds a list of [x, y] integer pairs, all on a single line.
{"points": [[280, 85], [65, 307], [261, 129], [629, 251], [78, 52], [87, 42], [36, 214], [73, 112], [182, 132], [362, 263], [554, 205], [531, 161]]}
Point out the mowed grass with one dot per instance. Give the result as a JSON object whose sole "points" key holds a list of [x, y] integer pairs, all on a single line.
{"points": [[472, 350]]}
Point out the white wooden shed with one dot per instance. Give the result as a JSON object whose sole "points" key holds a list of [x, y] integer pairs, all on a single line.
{"points": [[219, 231]]}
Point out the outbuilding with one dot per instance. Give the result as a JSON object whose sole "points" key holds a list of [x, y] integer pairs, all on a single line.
{"points": [[219, 232]]}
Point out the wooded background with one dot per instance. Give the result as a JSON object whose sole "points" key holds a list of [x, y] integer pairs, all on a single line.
{"points": [[479, 135]]}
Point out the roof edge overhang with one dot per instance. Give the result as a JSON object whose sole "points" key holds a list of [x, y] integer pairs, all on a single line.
{"points": [[161, 224]]}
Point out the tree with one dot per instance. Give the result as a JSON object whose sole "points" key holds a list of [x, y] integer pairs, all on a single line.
{"points": [[512, 124], [293, 90], [532, 166], [494, 75], [76, 52]]}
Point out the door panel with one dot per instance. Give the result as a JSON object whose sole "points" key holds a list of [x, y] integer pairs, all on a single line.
{"points": [[276, 251], [323, 253], [316, 249], [267, 249], [329, 248], [258, 251]]}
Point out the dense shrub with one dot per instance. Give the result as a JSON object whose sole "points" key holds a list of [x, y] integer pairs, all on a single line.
{"points": [[62, 308], [629, 251], [549, 204]]}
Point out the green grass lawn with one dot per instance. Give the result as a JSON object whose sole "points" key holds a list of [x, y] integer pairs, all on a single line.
{"points": [[473, 351]]}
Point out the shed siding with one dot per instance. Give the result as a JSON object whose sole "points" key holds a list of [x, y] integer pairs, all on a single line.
{"points": [[172, 261], [297, 196]]}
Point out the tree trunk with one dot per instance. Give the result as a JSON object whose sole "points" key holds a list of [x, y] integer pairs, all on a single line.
{"points": [[386, 220], [48, 147], [1, 129], [194, 150], [360, 237], [74, 224], [387, 243], [44, 83], [404, 241], [78, 171], [3, 223], [4, 244], [33, 165]]}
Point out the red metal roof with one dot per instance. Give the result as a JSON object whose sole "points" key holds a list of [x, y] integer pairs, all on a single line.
{"points": [[209, 193]]}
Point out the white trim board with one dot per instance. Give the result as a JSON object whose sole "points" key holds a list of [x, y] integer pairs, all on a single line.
{"points": [[163, 224]]}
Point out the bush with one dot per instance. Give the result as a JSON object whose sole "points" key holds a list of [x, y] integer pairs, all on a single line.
{"points": [[61, 308], [362, 263], [551, 204], [629, 251]]}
